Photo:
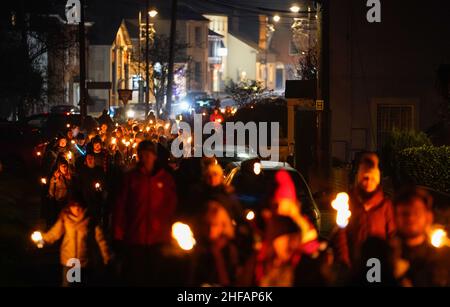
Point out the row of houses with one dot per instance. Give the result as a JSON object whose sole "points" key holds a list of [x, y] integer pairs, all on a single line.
{"points": [[216, 55]]}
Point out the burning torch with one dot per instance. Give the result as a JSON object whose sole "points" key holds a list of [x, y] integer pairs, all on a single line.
{"points": [[37, 238], [340, 204], [69, 156], [98, 186], [182, 233], [439, 237]]}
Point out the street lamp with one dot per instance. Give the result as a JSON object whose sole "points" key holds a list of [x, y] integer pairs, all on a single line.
{"points": [[276, 18], [294, 8], [153, 13]]}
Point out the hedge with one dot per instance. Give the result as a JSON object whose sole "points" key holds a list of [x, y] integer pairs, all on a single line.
{"points": [[426, 165]]}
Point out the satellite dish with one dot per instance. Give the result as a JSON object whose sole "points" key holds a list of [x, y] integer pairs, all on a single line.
{"points": [[73, 11]]}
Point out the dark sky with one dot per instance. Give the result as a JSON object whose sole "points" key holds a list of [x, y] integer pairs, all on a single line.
{"points": [[110, 11]]}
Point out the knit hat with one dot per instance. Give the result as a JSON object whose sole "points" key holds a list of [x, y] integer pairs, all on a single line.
{"points": [[285, 188], [281, 225]]}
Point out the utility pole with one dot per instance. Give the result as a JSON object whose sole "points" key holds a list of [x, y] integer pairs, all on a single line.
{"points": [[323, 117], [147, 64], [82, 51], [173, 31]]}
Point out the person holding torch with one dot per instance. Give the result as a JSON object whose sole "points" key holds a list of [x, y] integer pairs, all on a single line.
{"points": [[371, 211], [428, 265], [80, 233]]}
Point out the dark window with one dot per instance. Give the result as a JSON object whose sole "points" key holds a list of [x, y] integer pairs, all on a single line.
{"points": [[389, 117], [279, 78], [197, 71], [198, 36], [293, 50]]}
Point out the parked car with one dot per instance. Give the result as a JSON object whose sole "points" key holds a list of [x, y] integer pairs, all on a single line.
{"points": [[137, 111], [48, 125], [228, 155], [17, 143], [252, 184], [65, 108]]}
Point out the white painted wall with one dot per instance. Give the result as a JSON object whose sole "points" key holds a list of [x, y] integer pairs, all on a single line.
{"points": [[241, 58]]}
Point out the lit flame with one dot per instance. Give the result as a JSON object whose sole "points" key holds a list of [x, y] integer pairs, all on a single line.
{"points": [[68, 125], [219, 120], [36, 237], [167, 126], [97, 186], [147, 129], [73, 142], [438, 238], [113, 141], [340, 204], [250, 215], [151, 122], [38, 153], [183, 235], [44, 180], [257, 168], [69, 155]]}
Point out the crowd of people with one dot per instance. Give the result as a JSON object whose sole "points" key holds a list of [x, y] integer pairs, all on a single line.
{"points": [[112, 196]]}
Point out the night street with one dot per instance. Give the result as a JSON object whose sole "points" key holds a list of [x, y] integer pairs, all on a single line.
{"points": [[203, 144]]}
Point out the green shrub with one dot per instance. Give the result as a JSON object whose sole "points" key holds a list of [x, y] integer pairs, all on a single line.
{"points": [[426, 165], [396, 142]]}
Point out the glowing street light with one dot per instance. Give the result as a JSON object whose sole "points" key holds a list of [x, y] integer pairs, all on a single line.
{"points": [[276, 18], [294, 8], [153, 13]]}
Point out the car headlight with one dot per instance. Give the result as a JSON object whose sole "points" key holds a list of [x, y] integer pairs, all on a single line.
{"points": [[184, 106], [131, 113]]}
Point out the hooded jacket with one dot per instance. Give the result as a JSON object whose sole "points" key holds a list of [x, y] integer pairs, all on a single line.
{"points": [[81, 236]]}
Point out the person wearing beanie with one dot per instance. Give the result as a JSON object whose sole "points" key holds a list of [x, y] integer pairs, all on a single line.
{"points": [[286, 203], [372, 212], [79, 232]]}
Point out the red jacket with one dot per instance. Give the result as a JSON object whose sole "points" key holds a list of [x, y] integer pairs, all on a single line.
{"points": [[370, 218], [145, 208]]}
